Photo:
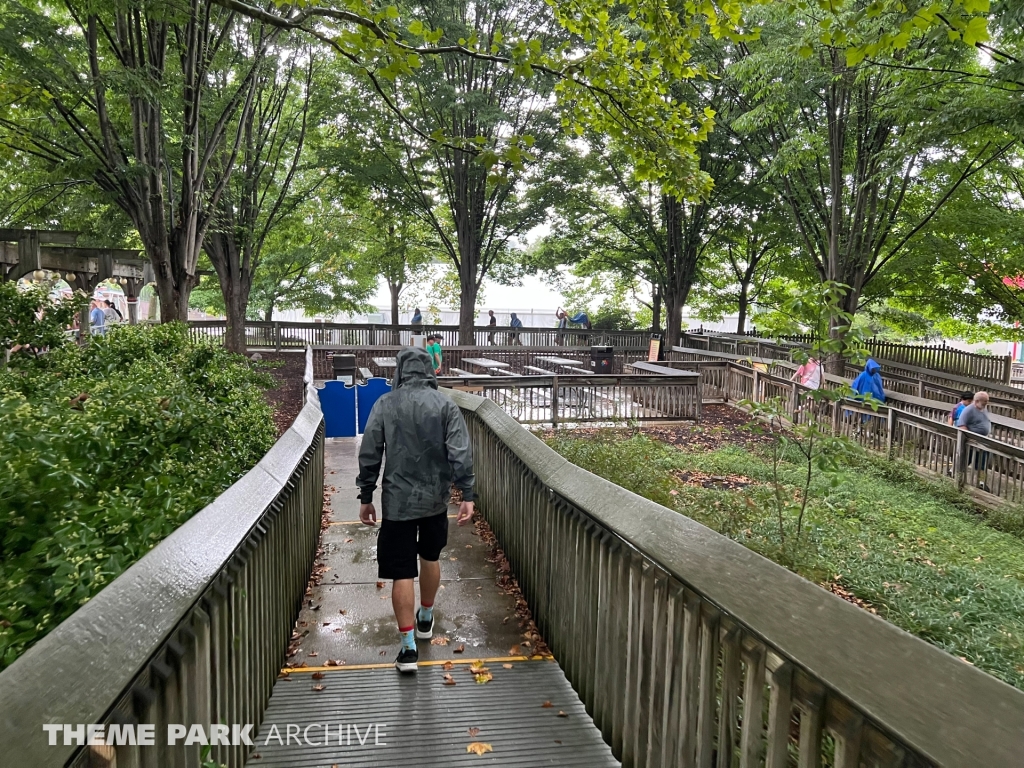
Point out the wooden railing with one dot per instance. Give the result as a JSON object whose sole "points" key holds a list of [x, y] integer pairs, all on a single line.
{"points": [[989, 368], [691, 651], [280, 335], [517, 357], [588, 399], [194, 632], [905, 427], [899, 377]]}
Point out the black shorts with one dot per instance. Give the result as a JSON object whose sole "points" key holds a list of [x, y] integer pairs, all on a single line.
{"points": [[401, 541]]}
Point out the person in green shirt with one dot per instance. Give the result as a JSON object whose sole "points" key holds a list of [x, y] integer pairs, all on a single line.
{"points": [[434, 349]]}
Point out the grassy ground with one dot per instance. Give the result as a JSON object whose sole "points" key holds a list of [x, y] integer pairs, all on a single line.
{"points": [[911, 551]]}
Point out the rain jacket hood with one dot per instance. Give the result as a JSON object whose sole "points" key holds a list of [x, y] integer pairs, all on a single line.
{"points": [[420, 436], [869, 381], [414, 368]]}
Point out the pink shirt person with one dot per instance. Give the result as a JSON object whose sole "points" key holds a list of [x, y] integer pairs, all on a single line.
{"points": [[809, 374]]}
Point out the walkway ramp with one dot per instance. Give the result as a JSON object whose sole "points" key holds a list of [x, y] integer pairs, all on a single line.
{"points": [[341, 682]]}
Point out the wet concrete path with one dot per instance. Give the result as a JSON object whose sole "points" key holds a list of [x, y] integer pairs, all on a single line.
{"points": [[340, 680]]}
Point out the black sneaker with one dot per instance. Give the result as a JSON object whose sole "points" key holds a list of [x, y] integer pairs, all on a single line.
{"points": [[424, 627], [406, 661]]}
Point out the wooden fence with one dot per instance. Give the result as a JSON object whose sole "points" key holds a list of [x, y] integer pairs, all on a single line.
{"points": [[587, 399], [280, 335], [517, 357], [934, 357], [899, 377], [691, 651], [905, 427]]}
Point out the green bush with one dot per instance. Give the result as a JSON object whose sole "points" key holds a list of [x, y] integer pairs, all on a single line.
{"points": [[104, 451]]}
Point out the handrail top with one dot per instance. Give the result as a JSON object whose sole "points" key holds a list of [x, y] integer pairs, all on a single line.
{"points": [[105, 644], [975, 384], [568, 378], [1016, 396], [949, 711], [661, 370]]}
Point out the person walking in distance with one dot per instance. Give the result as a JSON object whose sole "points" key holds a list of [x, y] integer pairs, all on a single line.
{"points": [[97, 320], [492, 323], [434, 348], [426, 443], [966, 398], [516, 325], [974, 418], [563, 322]]}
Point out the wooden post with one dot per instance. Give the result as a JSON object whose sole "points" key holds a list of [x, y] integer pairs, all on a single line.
{"points": [[1007, 369], [277, 336], [890, 437], [959, 460], [554, 401]]}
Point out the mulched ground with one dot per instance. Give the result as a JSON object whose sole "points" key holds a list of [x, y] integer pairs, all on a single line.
{"points": [[286, 397], [719, 425]]}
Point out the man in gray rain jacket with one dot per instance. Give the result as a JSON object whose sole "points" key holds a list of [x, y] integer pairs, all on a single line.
{"points": [[427, 445]]}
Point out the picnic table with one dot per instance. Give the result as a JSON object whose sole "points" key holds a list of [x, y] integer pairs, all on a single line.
{"points": [[485, 363], [562, 362]]}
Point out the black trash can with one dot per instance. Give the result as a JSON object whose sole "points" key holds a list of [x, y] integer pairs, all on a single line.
{"points": [[602, 360], [344, 368]]}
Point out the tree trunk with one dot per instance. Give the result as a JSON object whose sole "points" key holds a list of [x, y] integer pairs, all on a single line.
{"points": [[396, 292], [741, 321], [467, 313], [235, 283], [656, 310], [674, 302], [682, 254]]}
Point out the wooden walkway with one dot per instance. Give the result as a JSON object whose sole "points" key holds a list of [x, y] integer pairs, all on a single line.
{"points": [[340, 686]]}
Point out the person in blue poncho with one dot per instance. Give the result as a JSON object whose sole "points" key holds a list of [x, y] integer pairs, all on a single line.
{"points": [[581, 318], [869, 382]]}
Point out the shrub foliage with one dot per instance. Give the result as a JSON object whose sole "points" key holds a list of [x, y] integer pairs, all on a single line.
{"points": [[104, 451]]}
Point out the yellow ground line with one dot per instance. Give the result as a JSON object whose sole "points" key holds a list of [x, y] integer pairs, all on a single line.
{"points": [[430, 663], [360, 522]]}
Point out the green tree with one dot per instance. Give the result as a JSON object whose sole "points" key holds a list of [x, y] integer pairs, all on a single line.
{"points": [[130, 103], [267, 184], [864, 155]]}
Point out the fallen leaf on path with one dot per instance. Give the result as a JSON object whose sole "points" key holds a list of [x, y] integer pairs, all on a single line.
{"points": [[483, 677], [349, 541], [474, 731], [460, 649], [448, 679], [453, 558], [514, 651], [318, 675], [447, 665], [477, 666], [439, 640], [507, 666], [562, 714], [342, 611], [478, 748], [319, 687], [314, 654], [547, 705], [380, 585], [335, 663]]}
